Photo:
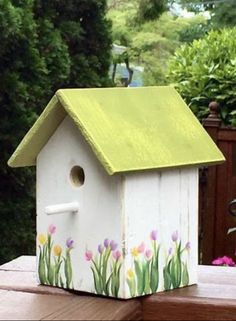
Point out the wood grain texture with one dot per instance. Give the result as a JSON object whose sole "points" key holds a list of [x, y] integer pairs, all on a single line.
{"points": [[32, 306], [214, 298], [160, 307], [21, 298]]}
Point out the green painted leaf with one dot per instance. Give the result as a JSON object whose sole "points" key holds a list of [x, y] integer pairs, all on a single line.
{"points": [[185, 275], [154, 278], [167, 279], [42, 268], [132, 287], [97, 287], [140, 277], [147, 273]]}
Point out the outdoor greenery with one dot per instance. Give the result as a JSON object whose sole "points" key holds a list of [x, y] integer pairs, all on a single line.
{"points": [[45, 45], [151, 42], [210, 75]]}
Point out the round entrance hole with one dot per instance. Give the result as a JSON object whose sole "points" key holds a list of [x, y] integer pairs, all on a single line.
{"points": [[77, 176]]}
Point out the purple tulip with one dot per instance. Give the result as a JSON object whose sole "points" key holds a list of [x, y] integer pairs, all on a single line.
{"points": [[113, 245], [70, 243], [153, 235], [100, 248], [175, 236], [106, 243], [170, 251], [188, 246]]}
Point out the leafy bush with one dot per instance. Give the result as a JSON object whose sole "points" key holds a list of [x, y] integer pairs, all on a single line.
{"points": [[205, 71], [45, 45]]}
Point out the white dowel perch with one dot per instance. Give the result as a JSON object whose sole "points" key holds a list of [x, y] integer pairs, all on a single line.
{"points": [[62, 208]]}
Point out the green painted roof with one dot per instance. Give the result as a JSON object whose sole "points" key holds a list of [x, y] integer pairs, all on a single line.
{"points": [[128, 129]]}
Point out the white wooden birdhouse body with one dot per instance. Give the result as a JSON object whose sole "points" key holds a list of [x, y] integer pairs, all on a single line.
{"points": [[117, 190]]}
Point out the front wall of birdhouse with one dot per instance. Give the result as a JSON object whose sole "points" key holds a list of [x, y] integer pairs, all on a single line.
{"points": [[133, 234], [161, 213], [68, 243]]}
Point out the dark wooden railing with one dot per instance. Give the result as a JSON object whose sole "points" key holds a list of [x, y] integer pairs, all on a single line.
{"points": [[214, 298], [217, 190]]}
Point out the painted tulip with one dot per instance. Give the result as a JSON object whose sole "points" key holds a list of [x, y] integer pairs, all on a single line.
{"points": [[100, 248], [148, 254], [116, 255], [113, 245], [141, 248], [130, 274], [70, 243], [42, 239], [135, 252], [88, 255], [57, 250], [52, 229], [188, 246], [106, 243], [175, 236], [153, 235]]}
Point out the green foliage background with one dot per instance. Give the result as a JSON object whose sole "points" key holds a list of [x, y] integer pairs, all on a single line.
{"points": [[152, 40], [45, 45], [205, 71]]}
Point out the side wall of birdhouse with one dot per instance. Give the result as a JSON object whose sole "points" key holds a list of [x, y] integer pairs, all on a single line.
{"points": [[160, 216], [77, 249]]}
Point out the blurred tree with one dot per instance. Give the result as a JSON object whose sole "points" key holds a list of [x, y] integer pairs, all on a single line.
{"points": [[151, 9], [45, 45], [85, 30], [150, 43], [223, 13]]}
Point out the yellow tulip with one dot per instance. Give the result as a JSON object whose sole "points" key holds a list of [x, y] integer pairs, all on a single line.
{"points": [[42, 239], [130, 273], [135, 252], [57, 250]]}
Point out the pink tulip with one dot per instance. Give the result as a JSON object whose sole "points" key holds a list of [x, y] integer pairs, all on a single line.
{"points": [[52, 229], [148, 254], [141, 248], [88, 255], [116, 255]]}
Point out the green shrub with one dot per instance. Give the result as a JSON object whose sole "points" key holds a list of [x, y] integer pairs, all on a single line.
{"points": [[205, 71], [45, 45]]}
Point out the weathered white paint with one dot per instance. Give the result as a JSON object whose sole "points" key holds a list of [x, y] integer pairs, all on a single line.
{"points": [[98, 198], [166, 201], [62, 208], [124, 208]]}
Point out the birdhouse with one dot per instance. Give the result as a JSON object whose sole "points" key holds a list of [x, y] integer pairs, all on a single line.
{"points": [[117, 189]]}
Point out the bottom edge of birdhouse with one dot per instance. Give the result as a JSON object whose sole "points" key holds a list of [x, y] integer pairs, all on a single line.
{"points": [[120, 296]]}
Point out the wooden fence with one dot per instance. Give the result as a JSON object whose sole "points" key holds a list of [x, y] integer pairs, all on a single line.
{"points": [[217, 190]]}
